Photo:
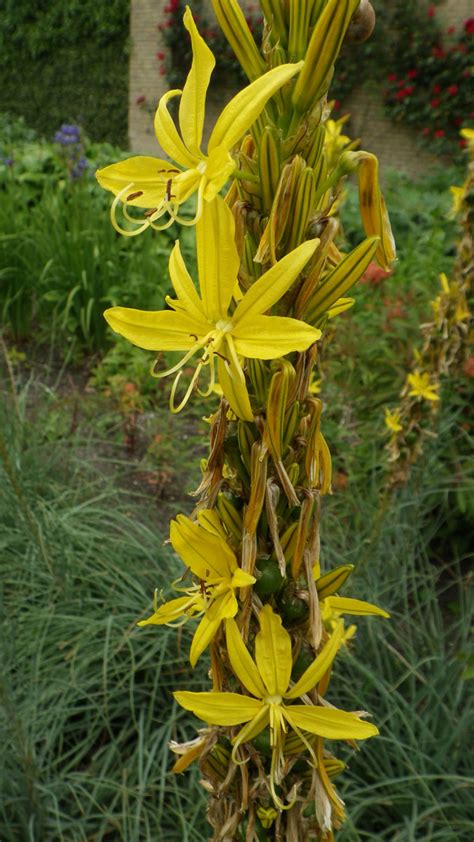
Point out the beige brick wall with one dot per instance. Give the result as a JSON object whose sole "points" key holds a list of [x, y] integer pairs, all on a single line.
{"points": [[396, 146]]}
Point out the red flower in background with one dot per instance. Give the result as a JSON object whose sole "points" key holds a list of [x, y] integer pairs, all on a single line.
{"points": [[431, 11], [468, 367], [438, 52], [434, 103], [452, 90], [374, 274], [439, 133], [392, 77], [426, 131], [412, 74], [469, 26], [436, 89]]}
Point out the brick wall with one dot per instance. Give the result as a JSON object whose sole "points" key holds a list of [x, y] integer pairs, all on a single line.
{"points": [[396, 146]]}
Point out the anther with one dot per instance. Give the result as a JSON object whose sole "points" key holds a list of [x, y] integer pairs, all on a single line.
{"points": [[150, 212], [134, 195]]}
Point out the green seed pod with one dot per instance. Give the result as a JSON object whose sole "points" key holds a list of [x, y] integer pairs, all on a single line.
{"points": [[269, 578], [293, 609]]}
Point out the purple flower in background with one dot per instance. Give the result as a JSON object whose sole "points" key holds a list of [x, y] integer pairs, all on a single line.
{"points": [[69, 138], [7, 161], [79, 167]]}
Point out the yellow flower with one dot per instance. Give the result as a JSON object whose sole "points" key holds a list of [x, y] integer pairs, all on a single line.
{"points": [[371, 201], [267, 680], [421, 386], [162, 186], [267, 815], [208, 324], [392, 420], [458, 198], [203, 548]]}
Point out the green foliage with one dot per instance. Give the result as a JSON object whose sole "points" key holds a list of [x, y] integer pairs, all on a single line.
{"points": [[61, 262], [74, 66]]}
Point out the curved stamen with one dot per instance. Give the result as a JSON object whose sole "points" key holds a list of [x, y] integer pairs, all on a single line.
{"points": [[212, 376], [175, 409], [237, 368], [142, 226], [275, 797], [182, 361]]}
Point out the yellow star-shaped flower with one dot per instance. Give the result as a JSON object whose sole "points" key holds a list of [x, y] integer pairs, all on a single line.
{"points": [[162, 186], [267, 680], [211, 325], [422, 387], [204, 549]]}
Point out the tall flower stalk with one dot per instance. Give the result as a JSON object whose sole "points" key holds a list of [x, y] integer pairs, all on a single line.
{"points": [[269, 277]]}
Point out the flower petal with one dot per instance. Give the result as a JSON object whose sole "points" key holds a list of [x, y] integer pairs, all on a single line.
{"points": [[156, 330], [224, 607], [273, 652], [203, 635], [219, 708], [204, 553], [275, 282], [145, 175], [233, 386], [244, 108], [167, 134], [193, 100], [183, 284], [319, 666], [254, 727], [242, 663], [269, 337], [218, 259], [170, 611], [355, 606], [329, 723]]}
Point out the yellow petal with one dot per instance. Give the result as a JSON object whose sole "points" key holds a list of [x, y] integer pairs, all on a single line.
{"points": [[156, 330], [265, 292], [170, 611], [205, 554], [218, 259], [241, 579], [329, 723], [167, 134], [224, 607], [254, 727], [355, 606], [242, 663], [203, 635], [373, 209], [145, 175], [210, 520], [219, 708], [193, 100], [242, 111], [273, 652], [233, 386], [183, 284], [269, 337], [320, 666]]}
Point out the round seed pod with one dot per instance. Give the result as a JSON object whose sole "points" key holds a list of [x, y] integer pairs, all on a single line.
{"points": [[269, 578], [362, 24], [293, 609]]}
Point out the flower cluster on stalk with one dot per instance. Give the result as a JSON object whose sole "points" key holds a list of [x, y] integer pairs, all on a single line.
{"points": [[269, 277]]}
